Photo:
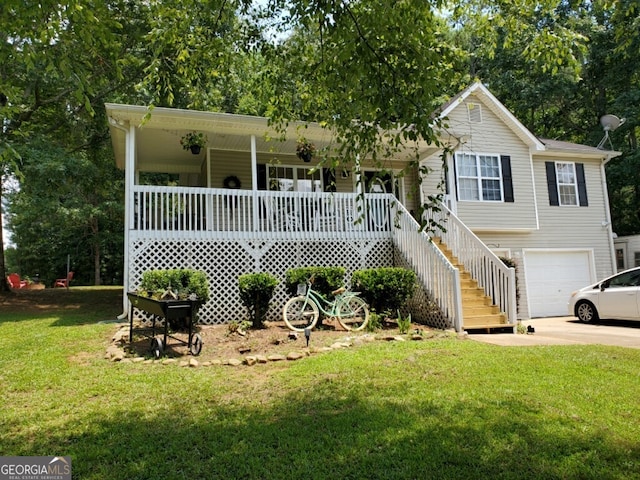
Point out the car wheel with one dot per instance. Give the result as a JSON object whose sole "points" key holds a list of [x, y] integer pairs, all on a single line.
{"points": [[586, 312]]}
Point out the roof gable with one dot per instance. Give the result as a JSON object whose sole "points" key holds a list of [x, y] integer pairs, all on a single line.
{"points": [[479, 91]]}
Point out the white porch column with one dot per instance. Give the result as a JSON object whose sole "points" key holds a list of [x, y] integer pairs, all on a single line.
{"points": [[208, 169], [254, 182], [358, 175], [130, 175]]}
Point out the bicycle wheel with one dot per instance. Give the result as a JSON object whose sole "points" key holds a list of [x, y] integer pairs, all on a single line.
{"points": [[300, 313], [353, 313]]}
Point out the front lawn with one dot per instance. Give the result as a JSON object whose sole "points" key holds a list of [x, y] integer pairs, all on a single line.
{"points": [[439, 408]]}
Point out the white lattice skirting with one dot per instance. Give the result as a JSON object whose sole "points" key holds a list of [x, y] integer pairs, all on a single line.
{"points": [[225, 260]]}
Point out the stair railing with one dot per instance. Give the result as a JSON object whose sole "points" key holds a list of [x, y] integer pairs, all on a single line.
{"points": [[496, 279], [437, 275]]}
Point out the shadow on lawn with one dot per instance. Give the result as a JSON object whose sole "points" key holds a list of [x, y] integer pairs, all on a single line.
{"points": [[320, 437], [76, 306]]}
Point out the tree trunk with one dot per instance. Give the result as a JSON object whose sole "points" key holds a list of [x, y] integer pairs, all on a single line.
{"points": [[96, 252], [4, 285]]}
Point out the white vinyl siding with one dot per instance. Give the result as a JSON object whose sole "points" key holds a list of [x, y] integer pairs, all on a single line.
{"points": [[491, 136], [568, 229]]}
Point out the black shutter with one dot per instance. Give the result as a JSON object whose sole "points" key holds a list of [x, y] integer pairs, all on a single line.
{"points": [[329, 179], [552, 184], [445, 168], [262, 176], [582, 185], [455, 177], [507, 181]]}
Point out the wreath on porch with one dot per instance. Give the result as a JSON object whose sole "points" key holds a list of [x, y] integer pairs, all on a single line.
{"points": [[232, 182]]}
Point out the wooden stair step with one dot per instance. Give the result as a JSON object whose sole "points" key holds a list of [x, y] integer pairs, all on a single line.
{"points": [[474, 310], [478, 310], [483, 321]]}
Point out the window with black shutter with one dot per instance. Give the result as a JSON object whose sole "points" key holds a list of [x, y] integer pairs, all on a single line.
{"points": [[566, 184]]}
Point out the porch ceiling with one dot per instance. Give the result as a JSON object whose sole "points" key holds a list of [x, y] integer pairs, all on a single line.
{"points": [[158, 146]]}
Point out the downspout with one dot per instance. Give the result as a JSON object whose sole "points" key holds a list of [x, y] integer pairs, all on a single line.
{"points": [[607, 212]]}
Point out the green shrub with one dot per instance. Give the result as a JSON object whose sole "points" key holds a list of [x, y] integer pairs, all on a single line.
{"points": [[385, 289], [256, 292], [509, 262], [375, 322], [326, 279], [404, 323], [182, 282]]}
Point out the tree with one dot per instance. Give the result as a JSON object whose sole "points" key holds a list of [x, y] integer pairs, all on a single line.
{"points": [[68, 204], [58, 63]]}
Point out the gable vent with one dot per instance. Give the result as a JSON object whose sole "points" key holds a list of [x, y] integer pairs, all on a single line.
{"points": [[475, 112]]}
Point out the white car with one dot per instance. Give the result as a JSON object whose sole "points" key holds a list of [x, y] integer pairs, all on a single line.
{"points": [[616, 297]]}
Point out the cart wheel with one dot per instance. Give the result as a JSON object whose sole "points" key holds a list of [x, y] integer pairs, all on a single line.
{"points": [[156, 348], [196, 345]]}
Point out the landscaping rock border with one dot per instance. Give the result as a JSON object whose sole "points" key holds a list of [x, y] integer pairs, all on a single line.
{"points": [[116, 352]]}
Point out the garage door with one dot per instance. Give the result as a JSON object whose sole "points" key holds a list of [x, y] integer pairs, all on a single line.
{"points": [[551, 276]]}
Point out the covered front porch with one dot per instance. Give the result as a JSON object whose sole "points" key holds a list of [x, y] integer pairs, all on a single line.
{"points": [[246, 203]]}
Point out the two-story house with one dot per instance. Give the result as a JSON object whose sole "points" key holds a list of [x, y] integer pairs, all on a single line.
{"points": [[247, 203]]}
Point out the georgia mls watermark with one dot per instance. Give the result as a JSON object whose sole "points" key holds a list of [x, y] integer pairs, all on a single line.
{"points": [[35, 468]]}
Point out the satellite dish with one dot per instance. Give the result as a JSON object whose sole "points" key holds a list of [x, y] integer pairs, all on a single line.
{"points": [[609, 124]]}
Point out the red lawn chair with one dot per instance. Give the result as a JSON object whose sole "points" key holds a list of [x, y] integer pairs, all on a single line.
{"points": [[63, 282], [15, 282]]}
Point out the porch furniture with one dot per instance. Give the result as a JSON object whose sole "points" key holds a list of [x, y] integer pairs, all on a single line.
{"points": [[282, 214], [327, 217], [169, 310], [15, 281], [63, 282]]}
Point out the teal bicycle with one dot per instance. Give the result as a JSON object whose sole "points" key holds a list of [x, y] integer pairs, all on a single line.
{"points": [[303, 311]]}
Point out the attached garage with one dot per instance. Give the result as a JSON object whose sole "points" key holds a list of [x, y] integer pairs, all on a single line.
{"points": [[551, 276]]}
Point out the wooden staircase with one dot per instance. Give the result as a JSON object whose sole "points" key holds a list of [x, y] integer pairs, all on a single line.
{"points": [[478, 311]]}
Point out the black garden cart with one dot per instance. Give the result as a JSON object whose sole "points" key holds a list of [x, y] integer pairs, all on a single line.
{"points": [[171, 311]]}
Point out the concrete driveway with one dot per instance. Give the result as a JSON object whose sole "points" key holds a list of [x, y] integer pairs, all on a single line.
{"points": [[568, 331]]}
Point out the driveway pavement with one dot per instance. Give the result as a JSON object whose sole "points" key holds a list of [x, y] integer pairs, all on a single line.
{"points": [[568, 331]]}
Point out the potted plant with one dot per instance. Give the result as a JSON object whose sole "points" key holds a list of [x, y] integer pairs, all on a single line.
{"points": [[305, 150], [193, 141]]}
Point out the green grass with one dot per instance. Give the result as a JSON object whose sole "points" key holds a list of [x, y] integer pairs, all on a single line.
{"points": [[441, 408]]}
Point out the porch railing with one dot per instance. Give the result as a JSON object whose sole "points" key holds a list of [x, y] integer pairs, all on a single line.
{"points": [[197, 211], [439, 277], [496, 279]]}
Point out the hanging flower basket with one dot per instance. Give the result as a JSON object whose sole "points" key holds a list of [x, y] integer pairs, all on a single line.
{"points": [[305, 150], [193, 141]]}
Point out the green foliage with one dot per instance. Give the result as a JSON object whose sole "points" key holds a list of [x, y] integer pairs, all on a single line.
{"points": [[386, 288], [404, 323], [183, 282], [239, 327], [511, 263], [375, 322], [256, 292], [68, 204], [325, 279], [193, 139]]}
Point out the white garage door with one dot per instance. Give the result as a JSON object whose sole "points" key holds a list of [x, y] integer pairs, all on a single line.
{"points": [[552, 276]]}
